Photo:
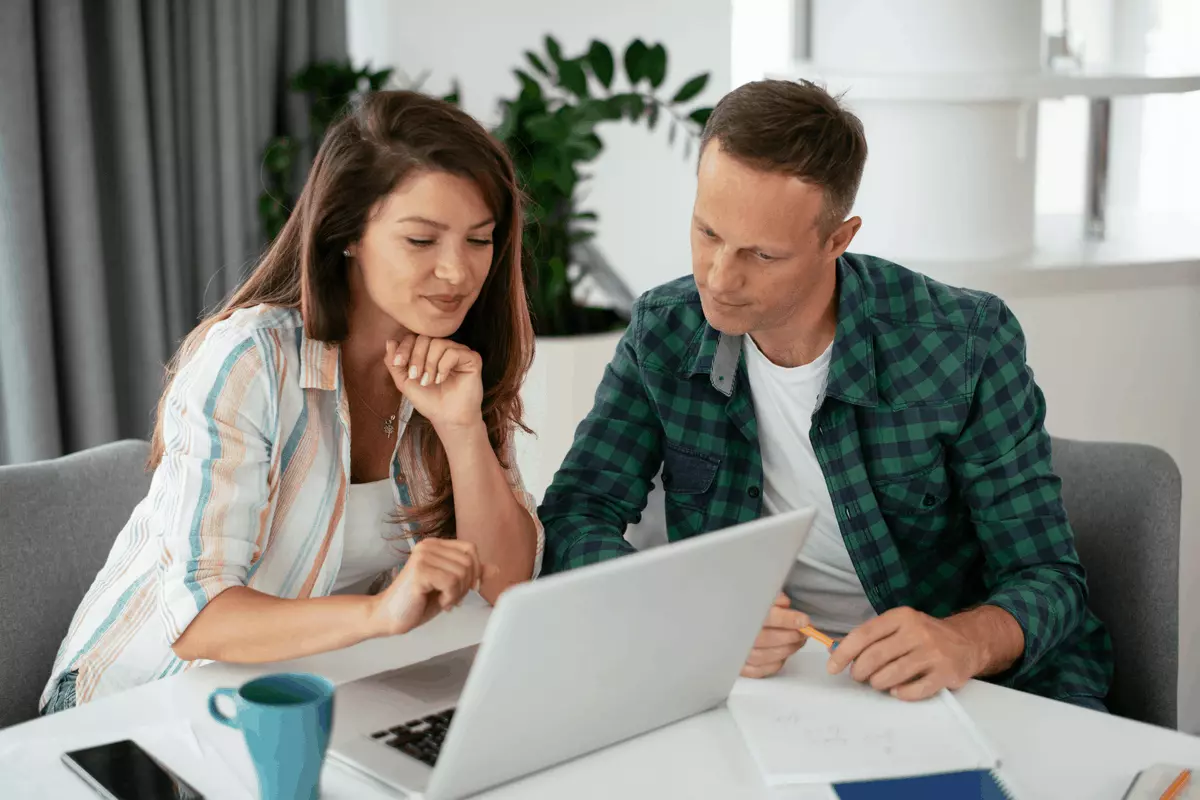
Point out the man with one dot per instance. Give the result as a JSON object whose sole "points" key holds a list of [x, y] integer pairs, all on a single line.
{"points": [[787, 373]]}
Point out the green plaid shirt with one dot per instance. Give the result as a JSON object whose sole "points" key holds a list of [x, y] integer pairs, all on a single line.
{"points": [[930, 435]]}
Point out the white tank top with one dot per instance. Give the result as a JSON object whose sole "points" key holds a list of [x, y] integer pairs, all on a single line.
{"points": [[374, 541]]}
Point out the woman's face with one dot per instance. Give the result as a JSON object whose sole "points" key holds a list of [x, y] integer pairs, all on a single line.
{"points": [[425, 253]]}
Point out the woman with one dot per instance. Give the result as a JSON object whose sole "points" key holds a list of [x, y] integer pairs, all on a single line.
{"points": [[346, 419]]}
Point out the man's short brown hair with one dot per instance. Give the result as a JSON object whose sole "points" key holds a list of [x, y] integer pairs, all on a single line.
{"points": [[796, 128]]}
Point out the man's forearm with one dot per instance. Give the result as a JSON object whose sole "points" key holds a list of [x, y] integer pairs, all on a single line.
{"points": [[997, 636]]}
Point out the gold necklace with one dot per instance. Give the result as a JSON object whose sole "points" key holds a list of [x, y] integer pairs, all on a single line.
{"points": [[389, 423]]}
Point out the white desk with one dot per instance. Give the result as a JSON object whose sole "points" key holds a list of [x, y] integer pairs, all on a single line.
{"points": [[1052, 750]]}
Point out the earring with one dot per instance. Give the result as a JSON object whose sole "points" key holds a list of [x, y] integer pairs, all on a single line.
{"points": [[346, 252]]}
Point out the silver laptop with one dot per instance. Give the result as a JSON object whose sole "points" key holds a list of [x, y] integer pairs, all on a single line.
{"points": [[572, 663]]}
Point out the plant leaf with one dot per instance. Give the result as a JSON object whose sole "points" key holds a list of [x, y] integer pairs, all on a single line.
{"points": [[690, 89], [615, 107], [536, 62], [548, 128], [564, 179], [586, 148], [554, 50], [453, 97], [656, 65], [700, 116], [635, 106], [600, 58], [530, 88], [377, 80], [578, 236], [596, 110], [635, 60], [572, 78], [671, 133], [544, 168], [652, 117], [508, 122]]}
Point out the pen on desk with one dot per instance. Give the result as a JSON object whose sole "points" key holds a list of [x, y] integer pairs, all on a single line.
{"points": [[1177, 785]]}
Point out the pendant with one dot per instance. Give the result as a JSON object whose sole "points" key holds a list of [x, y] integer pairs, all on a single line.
{"points": [[389, 426]]}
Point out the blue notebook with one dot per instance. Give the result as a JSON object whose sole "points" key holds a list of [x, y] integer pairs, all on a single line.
{"points": [[978, 784]]}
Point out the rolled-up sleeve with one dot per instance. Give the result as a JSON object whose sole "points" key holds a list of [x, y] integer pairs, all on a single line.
{"points": [[215, 469]]}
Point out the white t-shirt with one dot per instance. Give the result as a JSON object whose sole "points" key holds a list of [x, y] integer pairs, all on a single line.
{"points": [[374, 542], [822, 583]]}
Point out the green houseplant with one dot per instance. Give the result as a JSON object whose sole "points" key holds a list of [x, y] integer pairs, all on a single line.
{"points": [[330, 85], [550, 129]]}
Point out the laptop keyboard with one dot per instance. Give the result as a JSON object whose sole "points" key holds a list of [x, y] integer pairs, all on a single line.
{"points": [[422, 738]]}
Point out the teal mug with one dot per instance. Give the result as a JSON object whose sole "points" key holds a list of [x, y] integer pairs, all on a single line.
{"points": [[286, 720]]}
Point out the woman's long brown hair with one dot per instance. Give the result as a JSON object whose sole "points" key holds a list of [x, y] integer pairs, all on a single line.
{"points": [[381, 142]]}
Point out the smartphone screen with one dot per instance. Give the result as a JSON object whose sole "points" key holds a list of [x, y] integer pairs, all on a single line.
{"points": [[127, 772]]}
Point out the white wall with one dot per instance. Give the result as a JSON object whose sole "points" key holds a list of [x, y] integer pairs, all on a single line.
{"points": [[643, 190]]}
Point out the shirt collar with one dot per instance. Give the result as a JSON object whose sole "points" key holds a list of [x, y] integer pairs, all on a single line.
{"points": [[851, 364], [320, 363]]}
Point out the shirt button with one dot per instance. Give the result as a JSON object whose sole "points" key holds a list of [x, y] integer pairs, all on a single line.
{"points": [[753, 492], [929, 501]]}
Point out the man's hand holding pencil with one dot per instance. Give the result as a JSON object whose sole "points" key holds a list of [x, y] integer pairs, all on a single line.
{"points": [[785, 631]]}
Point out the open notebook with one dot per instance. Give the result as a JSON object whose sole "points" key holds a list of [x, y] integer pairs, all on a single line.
{"points": [[806, 726]]}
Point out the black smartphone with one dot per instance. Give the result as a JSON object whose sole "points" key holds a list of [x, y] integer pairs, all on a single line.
{"points": [[124, 771]]}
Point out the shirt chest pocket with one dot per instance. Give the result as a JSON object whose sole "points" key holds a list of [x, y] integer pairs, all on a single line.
{"points": [[915, 507], [688, 478]]}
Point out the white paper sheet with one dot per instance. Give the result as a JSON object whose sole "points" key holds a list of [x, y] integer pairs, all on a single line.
{"points": [[806, 726]]}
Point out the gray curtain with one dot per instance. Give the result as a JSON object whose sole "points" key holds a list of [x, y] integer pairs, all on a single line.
{"points": [[131, 133]]}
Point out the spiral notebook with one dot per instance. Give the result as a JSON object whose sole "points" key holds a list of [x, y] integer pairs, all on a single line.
{"points": [[977, 784]]}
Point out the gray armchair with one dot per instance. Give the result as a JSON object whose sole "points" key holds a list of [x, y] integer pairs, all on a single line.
{"points": [[1123, 501], [58, 521]]}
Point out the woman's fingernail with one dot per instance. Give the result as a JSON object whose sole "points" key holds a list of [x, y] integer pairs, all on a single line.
{"points": [[440, 378], [425, 379], [398, 361], [413, 372]]}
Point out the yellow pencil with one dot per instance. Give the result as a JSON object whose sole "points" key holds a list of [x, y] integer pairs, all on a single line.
{"points": [[813, 633], [1177, 786]]}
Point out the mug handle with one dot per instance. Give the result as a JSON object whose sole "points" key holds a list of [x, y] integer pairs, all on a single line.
{"points": [[216, 712]]}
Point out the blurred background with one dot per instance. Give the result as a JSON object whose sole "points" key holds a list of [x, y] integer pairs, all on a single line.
{"points": [[1044, 150]]}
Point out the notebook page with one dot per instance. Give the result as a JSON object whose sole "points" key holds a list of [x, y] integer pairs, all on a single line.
{"points": [[806, 726]]}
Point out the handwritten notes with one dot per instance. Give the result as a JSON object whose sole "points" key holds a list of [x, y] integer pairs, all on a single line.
{"points": [[806, 726]]}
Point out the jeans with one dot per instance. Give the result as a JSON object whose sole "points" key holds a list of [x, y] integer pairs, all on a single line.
{"points": [[63, 696], [1083, 701]]}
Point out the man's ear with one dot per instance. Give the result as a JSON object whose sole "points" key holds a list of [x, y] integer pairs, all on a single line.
{"points": [[842, 236]]}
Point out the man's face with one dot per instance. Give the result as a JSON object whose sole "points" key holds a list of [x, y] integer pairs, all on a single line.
{"points": [[757, 248]]}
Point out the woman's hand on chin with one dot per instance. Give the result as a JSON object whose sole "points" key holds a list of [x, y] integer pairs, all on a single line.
{"points": [[442, 379]]}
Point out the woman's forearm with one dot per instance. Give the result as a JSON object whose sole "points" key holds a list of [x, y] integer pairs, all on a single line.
{"points": [[487, 512], [242, 625]]}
